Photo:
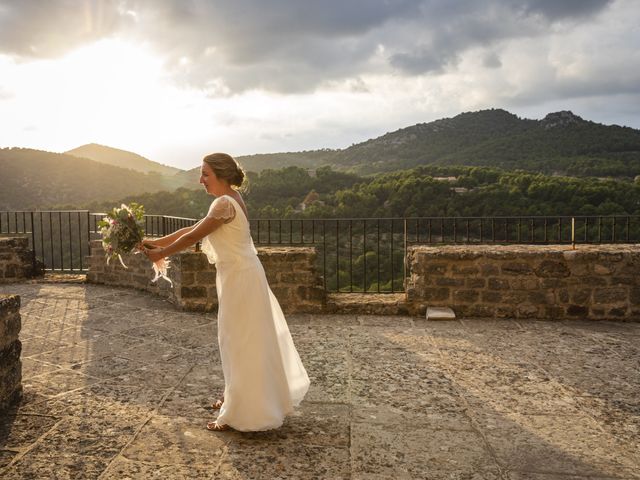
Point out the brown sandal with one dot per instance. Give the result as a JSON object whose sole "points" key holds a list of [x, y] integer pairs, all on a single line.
{"points": [[217, 404], [216, 427]]}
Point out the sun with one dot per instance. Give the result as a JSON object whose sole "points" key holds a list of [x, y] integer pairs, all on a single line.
{"points": [[108, 90]]}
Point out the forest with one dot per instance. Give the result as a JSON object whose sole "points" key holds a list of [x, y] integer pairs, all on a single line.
{"points": [[426, 191]]}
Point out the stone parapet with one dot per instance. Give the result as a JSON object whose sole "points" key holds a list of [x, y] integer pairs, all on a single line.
{"points": [[290, 271], [10, 349], [526, 281], [16, 260]]}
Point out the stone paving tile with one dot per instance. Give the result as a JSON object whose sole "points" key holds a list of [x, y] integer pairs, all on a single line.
{"points": [[415, 451], [88, 350], [123, 468], [192, 337], [7, 456], [18, 431], [264, 460], [193, 396], [560, 445], [118, 384], [32, 368], [57, 382], [175, 440]]}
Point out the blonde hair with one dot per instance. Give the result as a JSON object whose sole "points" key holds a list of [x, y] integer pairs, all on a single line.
{"points": [[226, 167]]}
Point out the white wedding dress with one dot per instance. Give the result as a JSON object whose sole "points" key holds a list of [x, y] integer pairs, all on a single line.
{"points": [[264, 376]]}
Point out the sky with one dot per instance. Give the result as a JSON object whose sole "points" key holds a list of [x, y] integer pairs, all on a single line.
{"points": [[174, 80]]}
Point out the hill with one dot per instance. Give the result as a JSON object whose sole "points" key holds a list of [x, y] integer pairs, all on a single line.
{"points": [[39, 179], [561, 143], [121, 158]]}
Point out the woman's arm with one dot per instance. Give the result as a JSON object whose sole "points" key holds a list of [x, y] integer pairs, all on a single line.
{"points": [[172, 237], [194, 234]]}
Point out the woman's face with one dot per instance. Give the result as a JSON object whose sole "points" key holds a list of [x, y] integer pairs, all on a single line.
{"points": [[212, 184]]}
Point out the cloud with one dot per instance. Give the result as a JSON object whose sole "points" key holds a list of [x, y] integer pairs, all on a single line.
{"points": [[287, 45], [37, 29]]}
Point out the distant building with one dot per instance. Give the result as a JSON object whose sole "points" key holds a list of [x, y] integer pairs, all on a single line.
{"points": [[446, 179], [460, 189], [311, 198]]}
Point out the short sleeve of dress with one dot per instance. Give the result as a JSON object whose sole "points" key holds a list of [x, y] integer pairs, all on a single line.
{"points": [[222, 208]]}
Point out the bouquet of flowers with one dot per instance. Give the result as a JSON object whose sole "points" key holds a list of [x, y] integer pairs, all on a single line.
{"points": [[122, 232]]}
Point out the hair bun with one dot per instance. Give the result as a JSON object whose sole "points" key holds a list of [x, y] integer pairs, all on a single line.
{"points": [[239, 177]]}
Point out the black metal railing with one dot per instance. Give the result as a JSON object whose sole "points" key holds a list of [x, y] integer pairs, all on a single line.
{"points": [[354, 254], [59, 239], [368, 254]]}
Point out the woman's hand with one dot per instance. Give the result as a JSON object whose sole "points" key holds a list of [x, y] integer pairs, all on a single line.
{"points": [[154, 254], [150, 242]]}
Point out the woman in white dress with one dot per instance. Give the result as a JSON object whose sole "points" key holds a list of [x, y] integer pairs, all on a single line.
{"points": [[264, 376]]}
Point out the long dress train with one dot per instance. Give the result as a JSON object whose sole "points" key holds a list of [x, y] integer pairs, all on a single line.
{"points": [[264, 376]]}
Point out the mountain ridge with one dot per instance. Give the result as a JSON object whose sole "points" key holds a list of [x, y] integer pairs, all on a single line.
{"points": [[121, 158], [561, 143]]}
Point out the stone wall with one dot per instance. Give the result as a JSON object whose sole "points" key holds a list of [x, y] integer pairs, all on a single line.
{"points": [[10, 349], [525, 281], [290, 271], [16, 260]]}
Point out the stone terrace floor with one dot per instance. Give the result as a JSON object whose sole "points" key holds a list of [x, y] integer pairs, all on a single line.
{"points": [[117, 385]]}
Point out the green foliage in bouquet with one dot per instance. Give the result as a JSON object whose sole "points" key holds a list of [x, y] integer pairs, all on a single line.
{"points": [[122, 230]]}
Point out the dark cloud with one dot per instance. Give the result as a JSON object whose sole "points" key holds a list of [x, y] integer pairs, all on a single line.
{"points": [[492, 60], [41, 29], [562, 9], [287, 45]]}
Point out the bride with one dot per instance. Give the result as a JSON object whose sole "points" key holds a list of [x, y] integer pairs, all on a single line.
{"points": [[264, 376]]}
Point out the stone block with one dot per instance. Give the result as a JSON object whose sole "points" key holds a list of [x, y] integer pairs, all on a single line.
{"points": [[466, 296], [540, 297], [610, 256], [610, 295], [554, 312], [498, 284], [631, 281], [479, 311], [577, 311], [600, 269], [295, 277], [505, 312], [617, 312], [436, 294], [528, 311], [526, 283], [193, 262], [465, 270], [552, 269], [562, 295], [491, 297], [581, 295], [440, 313], [489, 269], [449, 282], [593, 281], [475, 283], [634, 296], [553, 283], [436, 268], [193, 292], [10, 350], [516, 268], [205, 278]]}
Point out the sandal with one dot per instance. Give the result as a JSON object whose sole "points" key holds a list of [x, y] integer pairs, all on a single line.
{"points": [[216, 427], [217, 404]]}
